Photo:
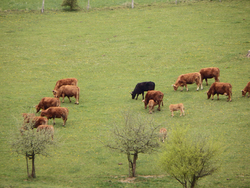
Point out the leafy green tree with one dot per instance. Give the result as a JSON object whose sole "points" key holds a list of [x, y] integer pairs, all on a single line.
{"points": [[137, 135], [28, 142], [189, 157], [73, 4]]}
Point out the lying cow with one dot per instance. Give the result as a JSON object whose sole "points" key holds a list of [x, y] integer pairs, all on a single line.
{"points": [[176, 107], [156, 96], [220, 88], [163, 134], [245, 90], [67, 91], [211, 72], [66, 81], [47, 102], [56, 112], [47, 128], [33, 121], [189, 78], [141, 87]]}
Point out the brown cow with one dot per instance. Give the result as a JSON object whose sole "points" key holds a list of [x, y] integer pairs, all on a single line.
{"points": [[176, 107], [66, 81], [47, 102], [245, 90], [34, 121], [163, 134], [48, 128], [211, 72], [189, 78], [157, 96], [220, 88], [56, 112], [67, 91]]}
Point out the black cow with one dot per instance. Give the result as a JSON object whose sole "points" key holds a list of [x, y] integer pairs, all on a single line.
{"points": [[141, 87]]}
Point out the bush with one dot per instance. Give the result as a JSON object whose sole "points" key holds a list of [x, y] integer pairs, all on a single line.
{"points": [[73, 4]]}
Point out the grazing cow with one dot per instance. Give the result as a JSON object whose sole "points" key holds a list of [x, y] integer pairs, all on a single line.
{"points": [[245, 90], [157, 96], [66, 81], [176, 107], [47, 102], [34, 121], [46, 128], [211, 72], [163, 134], [189, 78], [67, 91], [141, 87], [56, 112], [220, 88]]}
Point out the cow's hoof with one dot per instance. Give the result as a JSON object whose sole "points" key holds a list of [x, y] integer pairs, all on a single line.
{"points": [[77, 103]]}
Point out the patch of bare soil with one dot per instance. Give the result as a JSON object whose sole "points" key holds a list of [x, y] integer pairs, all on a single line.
{"points": [[132, 180]]}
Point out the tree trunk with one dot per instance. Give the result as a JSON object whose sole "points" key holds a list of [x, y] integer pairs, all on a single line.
{"points": [[42, 10], [33, 174], [134, 164], [27, 163], [88, 5], [130, 166], [193, 182], [132, 4]]}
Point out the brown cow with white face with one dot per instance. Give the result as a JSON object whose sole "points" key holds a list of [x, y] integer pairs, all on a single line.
{"points": [[67, 91], [33, 121], [156, 96], [66, 81], [211, 72], [245, 90], [220, 88], [56, 112], [189, 78], [163, 134], [176, 107], [47, 102], [47, 128]]}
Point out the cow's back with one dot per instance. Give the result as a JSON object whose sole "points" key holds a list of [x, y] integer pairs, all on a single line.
{"points": [[66, 81]]}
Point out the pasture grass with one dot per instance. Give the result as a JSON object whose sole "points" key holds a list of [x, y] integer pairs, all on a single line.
{"points": [[109, 51]]}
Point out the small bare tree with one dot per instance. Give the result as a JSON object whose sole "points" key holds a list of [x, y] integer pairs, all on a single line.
{"points": [[137, 135], [42, 10], [28, 142]]}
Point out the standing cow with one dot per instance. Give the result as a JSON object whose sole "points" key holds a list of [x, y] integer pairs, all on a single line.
{"points": [[176, 107], [189, 78], [245, 90], [67, 91], [56, 112], [47, 102], [46, 128], [163, 134], [66, 81], [157, 96], [141, 87], [211, 72], [220, 88], [33, 121]]}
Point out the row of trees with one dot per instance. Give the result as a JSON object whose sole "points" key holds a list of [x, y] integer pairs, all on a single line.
{"points": [[186, 156]]}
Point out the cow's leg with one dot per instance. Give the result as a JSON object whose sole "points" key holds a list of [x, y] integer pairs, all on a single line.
{"points": [[172, 113], [186, 87], [201, 86], [217, 96], [212, 97], [159, 106], [206, 82], [180, 112], [248, 94], [142, 95], [77, 99], [136, 96], [54, 121], [63, 98], [69, 99]]}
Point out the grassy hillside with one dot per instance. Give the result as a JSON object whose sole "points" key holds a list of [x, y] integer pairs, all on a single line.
{"points": [[109, 51]]}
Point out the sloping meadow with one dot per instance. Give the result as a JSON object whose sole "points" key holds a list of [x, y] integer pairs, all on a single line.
{"points": [[109, 52]]}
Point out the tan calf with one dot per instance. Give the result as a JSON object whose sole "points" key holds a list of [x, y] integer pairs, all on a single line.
{"points": [[47, 128], [176, 107], [163, 134], [245, 90]]}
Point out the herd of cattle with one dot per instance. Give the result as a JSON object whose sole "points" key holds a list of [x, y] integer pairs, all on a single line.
{"points": [[154, 98], [51, 108], [68, 88]]}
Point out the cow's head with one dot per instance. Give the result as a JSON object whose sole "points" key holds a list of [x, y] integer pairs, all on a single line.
{"points": [[55, 93], [175, 87], [133, 95], [208, 95], [243, 93]]}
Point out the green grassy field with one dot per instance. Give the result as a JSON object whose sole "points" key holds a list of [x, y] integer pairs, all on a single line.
{"points": [[109, 52]]}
